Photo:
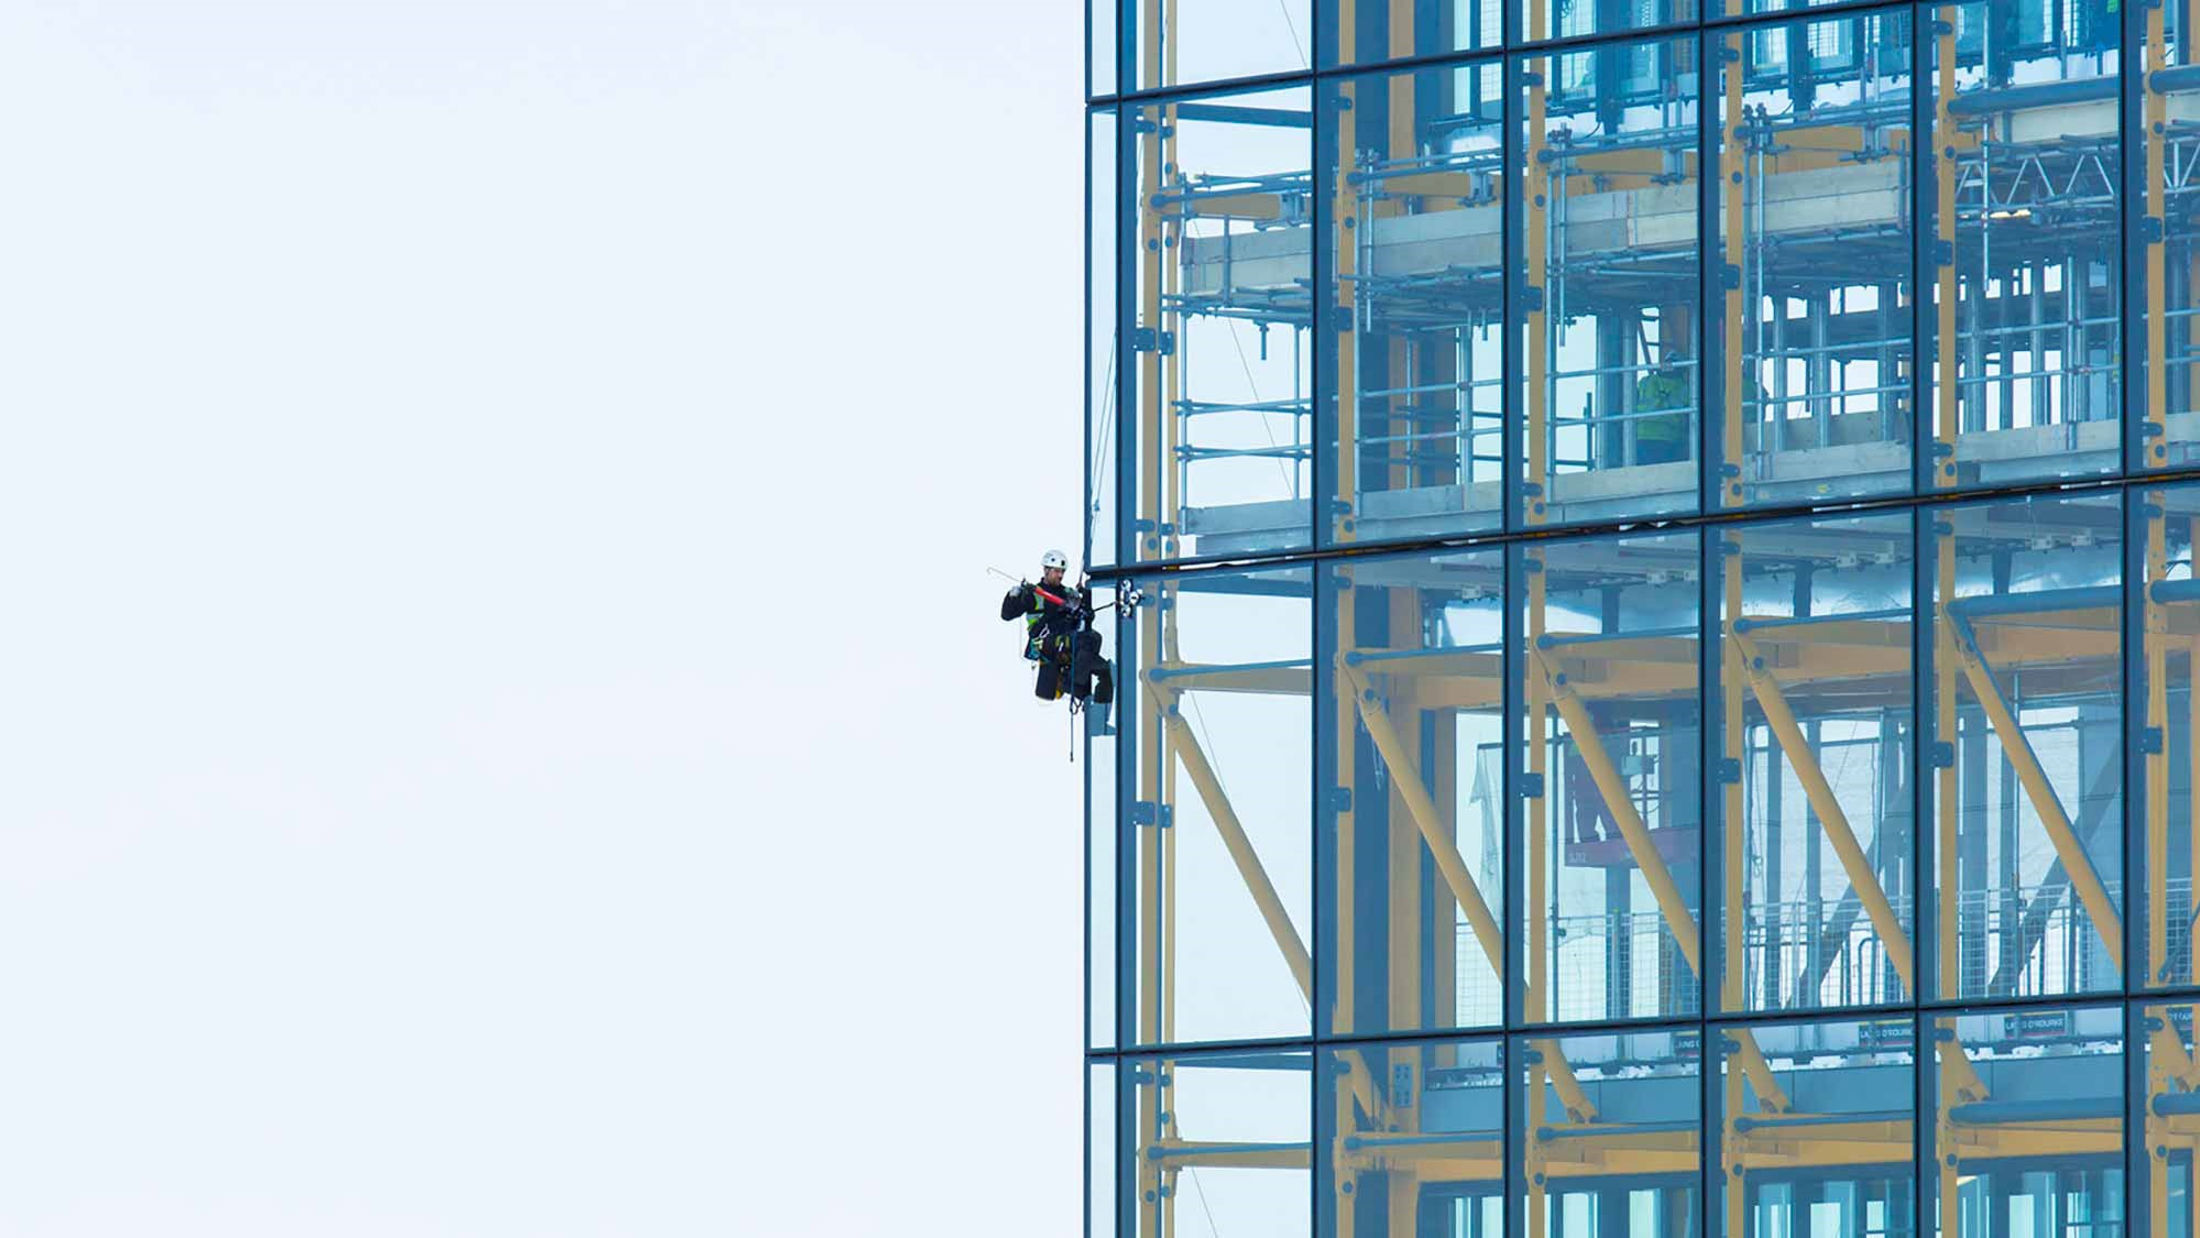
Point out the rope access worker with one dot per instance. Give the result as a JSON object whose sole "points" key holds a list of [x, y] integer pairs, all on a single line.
{"points": [[1058, 636]]}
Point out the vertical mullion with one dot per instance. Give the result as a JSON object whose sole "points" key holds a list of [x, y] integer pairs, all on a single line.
{"points": [[2134, 511], [1924, 347]]}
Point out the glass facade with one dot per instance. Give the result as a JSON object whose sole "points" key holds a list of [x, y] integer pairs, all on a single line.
{"points": [[1660, 698]]}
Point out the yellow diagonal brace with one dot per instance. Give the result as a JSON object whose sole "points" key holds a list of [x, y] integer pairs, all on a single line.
{"points": [[1405, 776], [1242, 854], [2169, 1052], [1892, 936], [2018, 749], [1679, 920]]}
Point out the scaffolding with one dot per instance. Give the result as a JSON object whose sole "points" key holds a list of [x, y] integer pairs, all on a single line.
{"points": [[1825, 711]]}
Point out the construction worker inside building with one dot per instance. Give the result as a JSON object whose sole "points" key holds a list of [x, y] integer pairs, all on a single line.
{"points": [[1058, 636], [1662, 400]]}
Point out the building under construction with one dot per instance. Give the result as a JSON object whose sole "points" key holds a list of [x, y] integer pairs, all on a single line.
{"points": [[1663, 700]]}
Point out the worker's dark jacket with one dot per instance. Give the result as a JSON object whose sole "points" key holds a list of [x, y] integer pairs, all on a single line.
{"points": [[1055, 636], [1050, 615]]}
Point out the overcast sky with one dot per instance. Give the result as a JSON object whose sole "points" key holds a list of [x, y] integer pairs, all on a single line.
{"points": [[503, 729]]}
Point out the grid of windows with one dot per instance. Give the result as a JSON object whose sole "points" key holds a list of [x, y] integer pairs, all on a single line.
{"points": [[1661, 700]]}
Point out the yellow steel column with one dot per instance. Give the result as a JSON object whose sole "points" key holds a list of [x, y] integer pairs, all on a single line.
{"points": [[1535, 999], [1151, 181], [2155, 633], [1735, 231], [1946, 1159], [1165, 816], [1443, 945], [2154, 139], [1344, 867], [1407, 914], [1731, 1179], [2192, 798], [1944, 235], [1535, 240], [2156, 1133], [1949, 966], [1345, 345], [1535, 364], [1151, 746], [1734, 824]]}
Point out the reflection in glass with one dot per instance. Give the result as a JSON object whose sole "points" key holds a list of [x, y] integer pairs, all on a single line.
{"points": [[2170, 280], [1415, 879], [1815, 360], [1609, 1133], [2167, 720], [2167, 1118], [1102, 354], [2026, 344], [1184, 42], [1216, 394], [1103, 46], [1613, 811], [1817, 1126], [1610, 257], [2027, 745], [1220, 1143], [1105, 1166], [1415, 162], [1368, 31], [1418, 1141], [2029, 1122], [1557, 19], [1102, 858], [1222, 813], [1817, 768]]}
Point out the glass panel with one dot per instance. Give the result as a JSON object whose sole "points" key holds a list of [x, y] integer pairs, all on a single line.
{"points": [[1817, 763], [1103, 1164], [2027, 352], [2168, 1113], [1613, 798], [1221, 1143], [1815, 230], [1418, 1141], [1105, 45], [2167, 520], [1371, 31], [1102, 357], [2169, 345], [1553, 19], [1417, 269], [2027, 744], [2030, 1134], [1102, 770], [1223, 817], [1181, 42], [1415, 875], [1722, 8], [1609, 1133], [1817, 1128], [1610, 251], [1216, 397]]}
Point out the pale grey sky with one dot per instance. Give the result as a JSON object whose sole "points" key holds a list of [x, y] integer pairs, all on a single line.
{"points": [[502, 725]]}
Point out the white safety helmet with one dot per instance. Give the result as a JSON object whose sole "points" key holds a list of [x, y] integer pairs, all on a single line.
{"points": [[1054, 559]]}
